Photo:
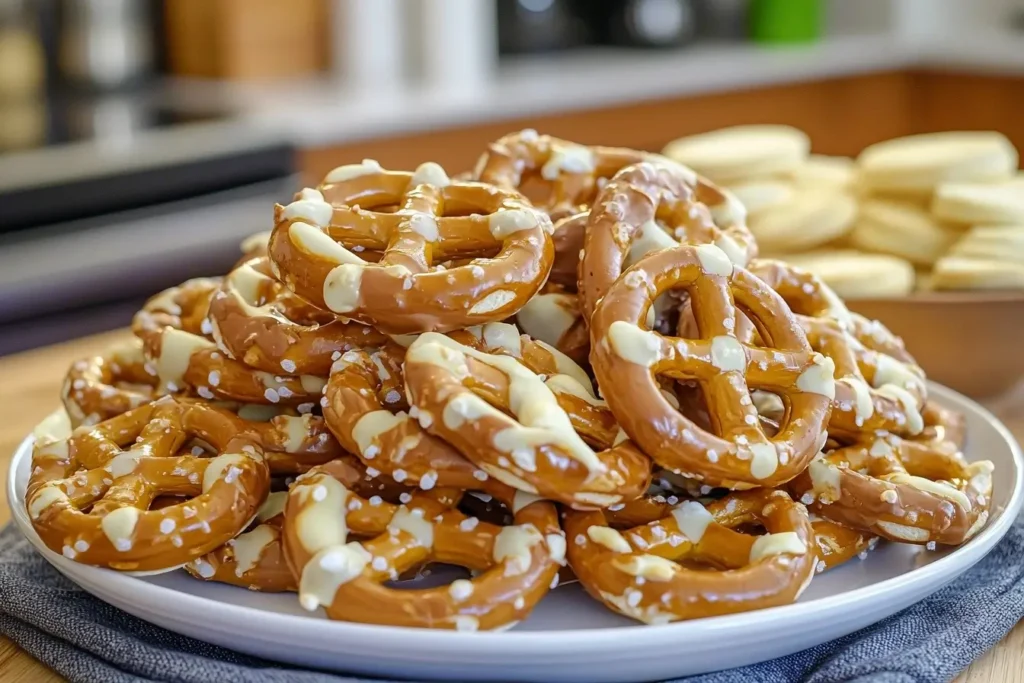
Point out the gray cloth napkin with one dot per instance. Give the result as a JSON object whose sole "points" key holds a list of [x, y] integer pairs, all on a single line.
{"points": [[87, 641]]}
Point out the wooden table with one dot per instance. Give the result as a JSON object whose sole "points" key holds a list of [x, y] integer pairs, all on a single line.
{"points": [[29, 391]]}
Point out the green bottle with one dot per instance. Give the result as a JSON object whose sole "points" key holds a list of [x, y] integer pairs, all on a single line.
{"points": [[785, 21]]}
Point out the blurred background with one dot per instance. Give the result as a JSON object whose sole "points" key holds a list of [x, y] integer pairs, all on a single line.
{"points": [[141, 140]]}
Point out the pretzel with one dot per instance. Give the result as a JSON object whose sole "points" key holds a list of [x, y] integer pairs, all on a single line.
{"points": [[942, 425], [737, 453], [874, 391], [635, 572], [346, 577], [182, 308], [174, 327], [392, 441], [257, 320], [117, 468], [570, 384], [837, 544], [254, 559], [103, 386], [876, 487], [316, 236], [357, 402], [291, 444], [628, 210], [458, 391], [569, 175]]}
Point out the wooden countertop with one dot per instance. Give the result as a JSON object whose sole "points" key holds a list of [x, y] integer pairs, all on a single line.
{"points": [[29, 391]]}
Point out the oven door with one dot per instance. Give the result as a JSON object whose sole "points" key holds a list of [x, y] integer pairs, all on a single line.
{"points": [[65, 280]]}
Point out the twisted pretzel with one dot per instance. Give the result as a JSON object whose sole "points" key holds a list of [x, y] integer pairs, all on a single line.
{"points": [[257, 320], [182, 308], [835, 544], [911, 495], [568, 175], [635, 572], [183, 360], [117, 468], [254, 559], [103, 386], [737, 453], [313, 244], [458, 391], [389, 440], [291, 444], [174, 330], [345, 577], [628, 209], [365, 416], [874, 391]]}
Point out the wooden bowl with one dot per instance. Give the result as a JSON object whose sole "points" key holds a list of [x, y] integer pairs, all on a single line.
{"points": [[972, 342]]}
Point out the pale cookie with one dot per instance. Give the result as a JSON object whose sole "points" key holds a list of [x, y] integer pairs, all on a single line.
{"points": [[902, 230], [810, 219], [760, 195], [992, 242], [957, 272], [916, 164], [923, 283], [855, 275], [977, 203], [821, 170], [742, 152]]}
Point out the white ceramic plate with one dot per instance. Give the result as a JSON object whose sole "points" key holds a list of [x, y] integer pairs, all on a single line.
{"points": [[569, 637]]}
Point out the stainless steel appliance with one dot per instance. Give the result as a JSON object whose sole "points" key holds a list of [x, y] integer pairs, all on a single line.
{"points": [[90, 229]]}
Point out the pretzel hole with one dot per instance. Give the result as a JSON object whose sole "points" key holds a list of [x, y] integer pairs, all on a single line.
{"points": [[430, 575], [483, 507], [161, 502]]}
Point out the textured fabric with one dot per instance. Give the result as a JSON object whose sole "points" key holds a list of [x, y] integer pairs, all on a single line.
{"points": [[88, 641]]}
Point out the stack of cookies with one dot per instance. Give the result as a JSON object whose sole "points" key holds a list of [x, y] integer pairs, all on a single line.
{"points": [[941, 211]]}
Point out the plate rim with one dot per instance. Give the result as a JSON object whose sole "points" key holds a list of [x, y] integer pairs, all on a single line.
{"points": [[543, 643]]}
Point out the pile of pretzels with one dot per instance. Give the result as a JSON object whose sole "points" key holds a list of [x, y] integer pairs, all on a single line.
{"points": [[566, 365]]}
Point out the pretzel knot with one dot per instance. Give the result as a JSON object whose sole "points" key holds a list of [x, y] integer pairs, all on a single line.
{"points": [[508, 421], [180, 356], [568, 174], [906, 492], [363, 400], [346, 576], [257, 320], [655, 205], [182, 308], [874, 390], [103, 386], [89, 495], [635, 571], [316, 237], [736, 453], [254, 559]]}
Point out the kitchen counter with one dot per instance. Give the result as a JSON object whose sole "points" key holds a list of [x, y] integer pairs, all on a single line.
{"points": [[30, 392]]}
